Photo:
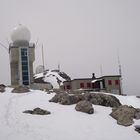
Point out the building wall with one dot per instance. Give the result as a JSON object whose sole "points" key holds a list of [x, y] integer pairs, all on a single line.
{"points": [[15, 66], [101, 84], [112, 87], [76, 84]]}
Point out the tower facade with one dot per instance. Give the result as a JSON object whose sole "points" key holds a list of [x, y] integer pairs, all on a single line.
{"points": [[22, 56]]}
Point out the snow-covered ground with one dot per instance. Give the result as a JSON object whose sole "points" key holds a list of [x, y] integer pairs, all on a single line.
{"points": [[64, 123]]}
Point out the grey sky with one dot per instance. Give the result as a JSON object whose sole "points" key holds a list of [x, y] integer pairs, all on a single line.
{"points": [[81, 35]]}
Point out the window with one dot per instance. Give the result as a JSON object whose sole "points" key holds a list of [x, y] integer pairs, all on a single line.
{"points": [[109, 82], [68, 87], [93, 85], [88, 85], [81, 85], [116, 82], [24, 64]]}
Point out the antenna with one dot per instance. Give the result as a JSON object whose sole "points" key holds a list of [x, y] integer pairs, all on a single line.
{"points": [[4, 47], [43, 58], [101, 70], [36, 42], [59, 67], [120, 73]]}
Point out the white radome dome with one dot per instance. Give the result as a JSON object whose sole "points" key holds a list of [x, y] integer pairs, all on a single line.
{"points": [[20, 33]]}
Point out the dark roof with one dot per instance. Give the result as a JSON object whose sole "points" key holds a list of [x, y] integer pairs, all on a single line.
{"points": [[93, 79], [110, 76]]}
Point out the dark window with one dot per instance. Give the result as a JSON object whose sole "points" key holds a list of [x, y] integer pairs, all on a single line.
{"points": [[25, 73], [93, 85], [25, 67], [81, 85], [116, 82], [68, 87], [64, 87], [88, 85], [25, 78], [24, 63], [109, 82], [24, 58]]}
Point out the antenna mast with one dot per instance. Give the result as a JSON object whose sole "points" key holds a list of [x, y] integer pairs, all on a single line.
{"points": [[43, 57], [120, 72]]}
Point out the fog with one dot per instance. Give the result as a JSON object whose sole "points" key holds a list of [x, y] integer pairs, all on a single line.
{"points": [[83, 36]]}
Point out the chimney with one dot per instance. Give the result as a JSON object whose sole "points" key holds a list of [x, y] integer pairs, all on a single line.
{"points": [[93, 76]]}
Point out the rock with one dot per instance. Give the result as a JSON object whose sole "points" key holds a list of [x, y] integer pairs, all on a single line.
{"points": [[137, 128], [124, 115], [20, 89], [2, 88], [137, 113], [102, 99], [66, 99], [57, 98], [138, 97], [70, 99], [85, 106], [37, 111]]}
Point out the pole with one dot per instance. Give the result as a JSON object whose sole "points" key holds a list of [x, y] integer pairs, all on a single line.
{"points": [[43, 58]]}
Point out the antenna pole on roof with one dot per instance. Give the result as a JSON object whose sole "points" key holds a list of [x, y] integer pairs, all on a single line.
{"points": [[43, 58], [59, 67], [101, 70], [120, 73]]}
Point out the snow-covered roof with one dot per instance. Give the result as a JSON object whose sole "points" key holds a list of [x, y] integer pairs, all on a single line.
{"points": [[52, 77]]}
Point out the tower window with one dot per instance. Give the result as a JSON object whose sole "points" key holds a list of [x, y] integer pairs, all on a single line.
{"points": [[24, 66]]}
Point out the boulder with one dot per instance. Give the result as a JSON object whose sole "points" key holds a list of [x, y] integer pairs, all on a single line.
{"points": [[66, 99], [85, 106], [2, 88], [124, 115], [102, 99], [57, 98], [20, 89], [37, 111]]}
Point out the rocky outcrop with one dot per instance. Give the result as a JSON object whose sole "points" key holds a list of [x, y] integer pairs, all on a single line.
{"points": [[94, 98], [20, 89], [125, 115], [102, 99], [85, 106], [37, 111], [2, 88], [66, 99]]}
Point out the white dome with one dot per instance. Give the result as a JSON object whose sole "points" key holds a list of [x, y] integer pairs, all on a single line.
{"points": [[20, 33]]}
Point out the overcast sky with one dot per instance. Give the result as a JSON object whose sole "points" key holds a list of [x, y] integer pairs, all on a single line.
{"points": [[80, 35]]}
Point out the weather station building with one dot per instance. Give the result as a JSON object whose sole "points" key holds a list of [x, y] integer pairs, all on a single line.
{"points": [[22, 56]]}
